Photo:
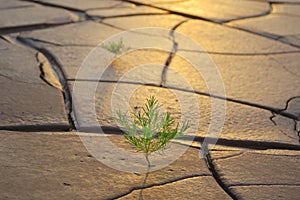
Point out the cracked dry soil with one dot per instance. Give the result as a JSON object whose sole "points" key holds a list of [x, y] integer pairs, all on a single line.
{"points": [[53, 72]]}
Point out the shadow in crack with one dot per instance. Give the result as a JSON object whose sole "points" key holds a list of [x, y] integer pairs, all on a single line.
{"points": [[247, 144], [158, 184], [37, 128], [292, 106]]}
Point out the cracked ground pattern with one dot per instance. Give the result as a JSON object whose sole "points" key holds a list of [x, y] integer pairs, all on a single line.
{"points": [[255, 45]]}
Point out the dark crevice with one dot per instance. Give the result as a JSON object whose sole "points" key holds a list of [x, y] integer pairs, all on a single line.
{"points": [[289, 101], [229, 156], [284, 2], [113, 26], [131, 31], [216, 175], [264, 34], [23, 28], [159, 184], [283, 132], [259, 33], [263, 107], [183, 50], [187, 145], [37, 128], [125, 15], [6, 39], [163, 2], [297, 128], [57, 68], [80, 13], [54, 5], [296, 121], [268, 12], [56, 44], [109, 130], [247, 144], [44, 41], [117, 5], [171, 54]]}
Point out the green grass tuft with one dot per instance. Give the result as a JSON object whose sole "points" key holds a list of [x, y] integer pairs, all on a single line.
{"points": [[116, 48], [150, 130]]}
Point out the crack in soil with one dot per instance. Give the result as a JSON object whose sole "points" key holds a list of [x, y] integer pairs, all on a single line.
{"points": [[80, 13], [124, 15], [174, 12], [268, 12], [205, 150], [159, 184], [171, 54], [285, 2], [68, 101], [37, 128], [265, 35], [117, 5], [56, 44], [248, 144], [216, 175], [84, 16], [178, 49], [111, 130], [47, 4], [223, 22], [58, 70], [191, 16], [263, 107], [295, 121], [112, 26], [230, 156], [17, 29]]}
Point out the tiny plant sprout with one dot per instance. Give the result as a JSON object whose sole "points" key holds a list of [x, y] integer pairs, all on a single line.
{"points": [[148, 130], [115, 47]]}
